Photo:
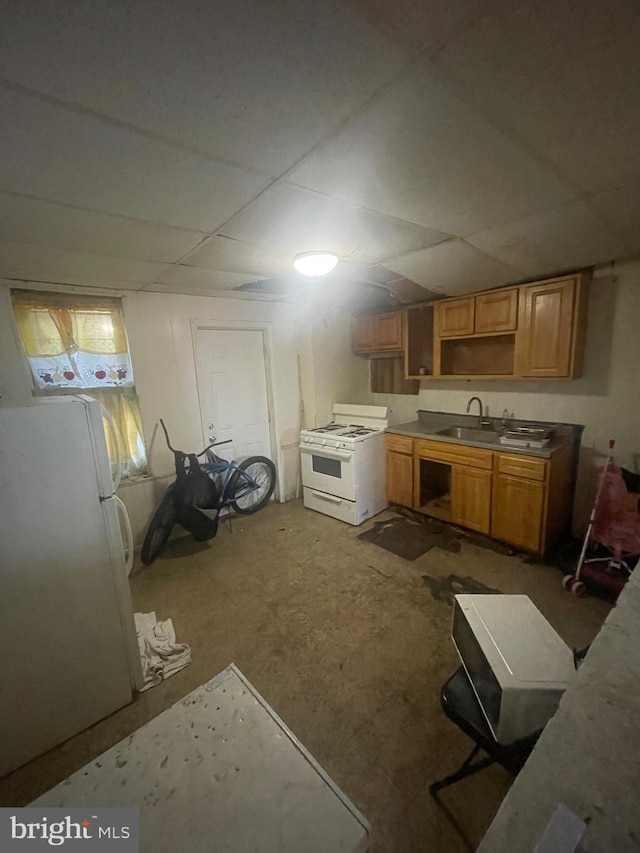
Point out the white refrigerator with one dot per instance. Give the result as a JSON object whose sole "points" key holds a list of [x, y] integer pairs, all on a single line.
{"points": [[67, 632]]}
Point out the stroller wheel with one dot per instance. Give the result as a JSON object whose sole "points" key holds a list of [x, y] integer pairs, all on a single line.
{"points": [[577, 589], [573, 585]]}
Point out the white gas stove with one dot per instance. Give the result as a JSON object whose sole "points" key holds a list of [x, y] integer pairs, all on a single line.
{"points": [[343, 464]]}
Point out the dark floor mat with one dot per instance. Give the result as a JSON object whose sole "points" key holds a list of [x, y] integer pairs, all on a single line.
{"points": [[402, 537], [452, 535], [443, 589]]}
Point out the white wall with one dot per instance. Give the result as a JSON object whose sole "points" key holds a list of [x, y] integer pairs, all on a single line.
{"points": [[339, 375], [159, 327], [606, 399]]}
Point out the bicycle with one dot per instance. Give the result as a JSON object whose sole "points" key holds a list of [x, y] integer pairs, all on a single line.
{"points": [[194, 500]]}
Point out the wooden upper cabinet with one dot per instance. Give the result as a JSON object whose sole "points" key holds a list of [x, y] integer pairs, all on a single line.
{"points": [[377, 332], [455, 317], [546, 330], [362, 333], [497, 311], [389, 331]]}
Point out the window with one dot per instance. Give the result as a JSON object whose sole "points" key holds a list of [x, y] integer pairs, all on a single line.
{"points": [[78, 343]]}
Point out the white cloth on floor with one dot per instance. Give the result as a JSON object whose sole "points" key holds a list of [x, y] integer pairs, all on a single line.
{"points": [[160, 655]]}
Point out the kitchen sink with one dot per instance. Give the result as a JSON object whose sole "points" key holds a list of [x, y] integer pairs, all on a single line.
{"points": [[470, 434]]}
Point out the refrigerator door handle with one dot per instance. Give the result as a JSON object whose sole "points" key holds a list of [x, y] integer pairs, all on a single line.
{"points": [[114, 437], [128, 546]]}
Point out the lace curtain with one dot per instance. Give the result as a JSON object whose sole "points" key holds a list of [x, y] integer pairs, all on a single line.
{"points": [[78, 343]]}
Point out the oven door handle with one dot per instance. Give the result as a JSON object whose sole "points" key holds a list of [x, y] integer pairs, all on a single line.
{"points": [[324, 497], [327, 452]]}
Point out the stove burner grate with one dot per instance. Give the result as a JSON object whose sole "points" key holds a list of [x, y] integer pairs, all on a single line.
{"points": [[329, 428]]}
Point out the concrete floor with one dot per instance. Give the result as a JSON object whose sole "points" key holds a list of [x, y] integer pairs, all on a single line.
{"points": [[348, 645]]}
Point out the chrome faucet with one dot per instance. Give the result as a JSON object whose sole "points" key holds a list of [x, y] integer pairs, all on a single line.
{"points": [[482, 422]]}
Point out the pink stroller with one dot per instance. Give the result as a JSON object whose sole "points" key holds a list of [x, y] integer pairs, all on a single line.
{"points": [[614, 524]]}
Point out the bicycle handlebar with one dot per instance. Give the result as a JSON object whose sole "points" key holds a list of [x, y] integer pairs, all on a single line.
{"points": [[208, 447]]}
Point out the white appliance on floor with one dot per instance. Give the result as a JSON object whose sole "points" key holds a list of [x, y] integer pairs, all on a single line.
{"points": [[343, 463], [67, 633]]}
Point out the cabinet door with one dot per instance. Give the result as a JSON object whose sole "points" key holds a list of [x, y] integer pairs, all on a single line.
{"points": [[517, 511], [455, 317], [545, 333], [471, 498], [388, 335], [362, 333], [399, 478], [497, 311]]}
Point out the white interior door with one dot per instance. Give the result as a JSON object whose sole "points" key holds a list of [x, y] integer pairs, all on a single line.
{"points": [[232, 384]]}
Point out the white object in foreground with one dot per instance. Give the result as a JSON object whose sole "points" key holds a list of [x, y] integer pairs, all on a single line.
{"points": [[219, 771]]}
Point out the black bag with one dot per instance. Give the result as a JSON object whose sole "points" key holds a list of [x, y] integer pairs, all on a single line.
{"points": [[193, 492]]}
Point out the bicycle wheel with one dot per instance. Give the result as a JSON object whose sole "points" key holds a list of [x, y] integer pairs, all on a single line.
{"points": [[159, 529], [252, 484]]}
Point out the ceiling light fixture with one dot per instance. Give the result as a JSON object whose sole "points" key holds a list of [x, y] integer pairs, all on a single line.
{"points": [[315, 263]]}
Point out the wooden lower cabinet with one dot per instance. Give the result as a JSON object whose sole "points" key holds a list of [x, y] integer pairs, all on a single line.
{"points": [[519, 499], [471, 498], [399, 469], [517, 511], [399, 478]]}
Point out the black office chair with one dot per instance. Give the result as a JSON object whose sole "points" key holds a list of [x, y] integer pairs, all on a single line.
{"points": [[461, 706]]}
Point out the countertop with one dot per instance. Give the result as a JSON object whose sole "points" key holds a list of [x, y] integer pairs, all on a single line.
{"points": [[428, 424]]}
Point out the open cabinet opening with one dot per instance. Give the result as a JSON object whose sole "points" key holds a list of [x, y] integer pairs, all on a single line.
{"points": [[435, 489], [492, 355]]}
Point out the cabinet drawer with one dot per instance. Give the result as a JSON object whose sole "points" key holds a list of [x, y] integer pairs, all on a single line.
{"points": [[454, 454], [399, 443], [521, 466]]}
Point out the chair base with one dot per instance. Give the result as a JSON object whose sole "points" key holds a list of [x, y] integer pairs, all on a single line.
{"points": [[461, 706], [465, 769]]}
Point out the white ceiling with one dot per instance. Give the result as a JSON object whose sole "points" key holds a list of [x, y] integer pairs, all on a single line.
{"points": [[192, 147]]}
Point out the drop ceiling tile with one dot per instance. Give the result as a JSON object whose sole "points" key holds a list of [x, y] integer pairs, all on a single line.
{"points": [[564, 77], [420, 154], [57, 226], [295, 220], [562, 239], [76, 159], [21, 260], [454, 267], [202, 279], [257, 83], [621, 208], [194, 290], [98, 281], [421, 24], [225, 253]]}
